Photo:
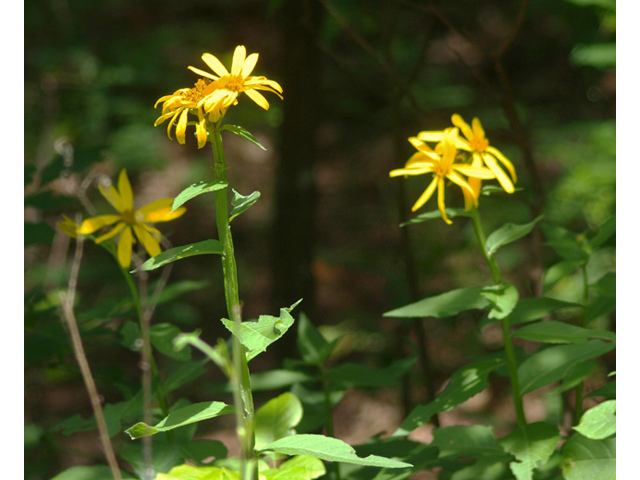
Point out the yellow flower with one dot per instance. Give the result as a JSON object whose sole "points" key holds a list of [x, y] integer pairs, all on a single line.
{"points": [[131, 220], [225, 88], [179, 105], [441, 163]]}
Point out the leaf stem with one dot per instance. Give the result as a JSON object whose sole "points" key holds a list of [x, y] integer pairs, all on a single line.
{"points": [[580, 386]]}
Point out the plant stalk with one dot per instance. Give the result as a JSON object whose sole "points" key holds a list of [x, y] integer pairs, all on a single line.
{"points": [[580, 386]]}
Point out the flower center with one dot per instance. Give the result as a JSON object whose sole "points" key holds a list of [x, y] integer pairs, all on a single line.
{"points": [[129, 216], [195, 94], [235, 83], [479, 144]]}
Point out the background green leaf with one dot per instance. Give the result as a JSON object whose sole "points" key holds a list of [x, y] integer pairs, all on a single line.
{"points": [[276, 419], [560, 332]]}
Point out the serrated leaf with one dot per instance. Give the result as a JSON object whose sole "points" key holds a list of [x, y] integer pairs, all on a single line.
{"points": [[503, 297], [560, 332], [531, 309], [586, 459], [197, 189], [552, 364], [464, 384], [444, 305], [201, 248], [598, 422], [330, 449], [558, 271], [180, 417], [257, 336], [301, 467], [349, 375], [241, 132], [276, 419], [424, 217], [508, 233], [532, 446], [241, 203]]}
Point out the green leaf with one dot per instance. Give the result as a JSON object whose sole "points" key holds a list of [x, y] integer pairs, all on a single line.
{"points": [[558, 271], [586, 459], [313, 347], [180, 417], [200, 450], [349, 375], [598, 422], [532, 446], [241, 132], [508, 233], [423, 217], [606, 230], [598, 55], [600, 306], [560, 332], [257, 336], [552, 364], [301, 467], [314, 404], [330, 449], [444, 305], [164, 457], [465, 441], [241, 203], [564, 242], [184, 374], [464, 384], [576, 375], [162, 335], [606, 285], [608, 391], [38, 234], [89, 472], [531, 309], [173, 254], [504, 298], [277, 418], [195, 190], [189, 472]]}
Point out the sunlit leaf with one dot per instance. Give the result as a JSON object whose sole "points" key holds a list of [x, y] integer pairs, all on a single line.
{"points": [[560, 332], [276, 419], [195, 190], [444, 305], [177, 253], [241, 132], [532, 446], [586, 459], [241, 203], [598, 422]]}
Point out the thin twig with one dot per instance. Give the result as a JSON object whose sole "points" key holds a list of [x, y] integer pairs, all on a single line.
{"points": [[67, 302]]}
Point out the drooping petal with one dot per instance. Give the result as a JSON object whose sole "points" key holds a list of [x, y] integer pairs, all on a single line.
{"points": [[155, 233], [258, 98], [201, 130], [495, 152], [90, 225], [441, 205], [214, 64], [124, 247], [249, 65], [111, 233], [160, 211], [124, 187], [149, 243], [182, 126], [461, 182], [238, 60], [500, 175], [173, 119], [426, 195]]}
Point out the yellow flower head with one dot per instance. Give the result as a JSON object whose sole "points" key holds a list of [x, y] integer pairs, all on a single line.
{"points": [[225, 88], [442, 163], [130, 220]]}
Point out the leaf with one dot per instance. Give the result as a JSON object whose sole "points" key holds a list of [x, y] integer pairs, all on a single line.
{"points": [[349, 375], [164, 457], [608, 391], [180, 417], [576, 375], [184, 374], [465, 441], [301, 467], [564, 242], [552, 364], [423, 217], [257, 336], [197, 189], [241, 132], [444, 305], [586, 459], [606, 285], [189, 472], [558, 271], [508, 233], [162, 335], [504, 298], [531, 309], [241, 203], [532, 446], [177, 253], [313, 347], [200, 450], [606, 230], [330, 449], [464, 384], [598, 422], [89, 472], [600, 306], [277, 418], [560, 332], [314, 405]]}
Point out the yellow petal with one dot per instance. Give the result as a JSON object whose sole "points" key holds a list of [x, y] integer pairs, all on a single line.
{"points": [[214, 64], [478, 131], [111, 233], [90, 225], [441, 206], [426, 195], [500, 175], [160, 211], [462, 125], [202, 73], [182, 126], [416, 169], [238, 60], [124, 247], [431, 136], [149, 243], [201, 130], [495, 152], [258, 98], [68, 227], [249, 64], [477, 172], [213, 100], [124, 186], [461, 182], [112, 196]]}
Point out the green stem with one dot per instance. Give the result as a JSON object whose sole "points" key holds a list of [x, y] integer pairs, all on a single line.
{"points": [[585, 299], [243, 397], [506, 327], [329, 421]]}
